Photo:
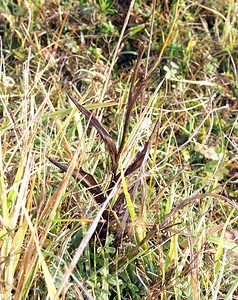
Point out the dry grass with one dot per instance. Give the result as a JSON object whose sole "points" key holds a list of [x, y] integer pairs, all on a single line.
{"points": [[118, 150]]}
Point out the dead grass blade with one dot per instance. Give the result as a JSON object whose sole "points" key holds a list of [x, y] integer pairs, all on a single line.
{"points": [[165, 225], [86, 239], [35, 258], [166, 43], [108, 140], [117, 48], [45, 269], [190, 200], [86, 179]]}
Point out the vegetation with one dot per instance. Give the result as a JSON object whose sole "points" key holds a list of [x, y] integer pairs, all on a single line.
{"points": [[118, 149]]}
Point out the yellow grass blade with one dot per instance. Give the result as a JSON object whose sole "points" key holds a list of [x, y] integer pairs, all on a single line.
{"points": [[128, 198]]}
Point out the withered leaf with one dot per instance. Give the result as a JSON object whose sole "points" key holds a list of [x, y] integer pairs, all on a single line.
{"points": [[86, 179], [108, 140]]}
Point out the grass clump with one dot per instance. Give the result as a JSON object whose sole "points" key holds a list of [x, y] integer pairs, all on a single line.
{"points": [[118, 150]]}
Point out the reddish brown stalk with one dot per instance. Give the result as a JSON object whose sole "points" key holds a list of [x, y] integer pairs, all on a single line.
{"points": [[86, 179], [132, 97], [108, 140]]}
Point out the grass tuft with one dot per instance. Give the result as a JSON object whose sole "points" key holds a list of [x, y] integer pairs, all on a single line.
{"points": [[118, 149]]}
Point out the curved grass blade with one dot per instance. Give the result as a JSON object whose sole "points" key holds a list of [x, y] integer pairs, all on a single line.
{"points": [[108, 140], [86, 179]]}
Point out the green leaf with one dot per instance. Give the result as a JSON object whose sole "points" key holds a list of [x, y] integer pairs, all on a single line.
{"points": [[226, 243]]}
